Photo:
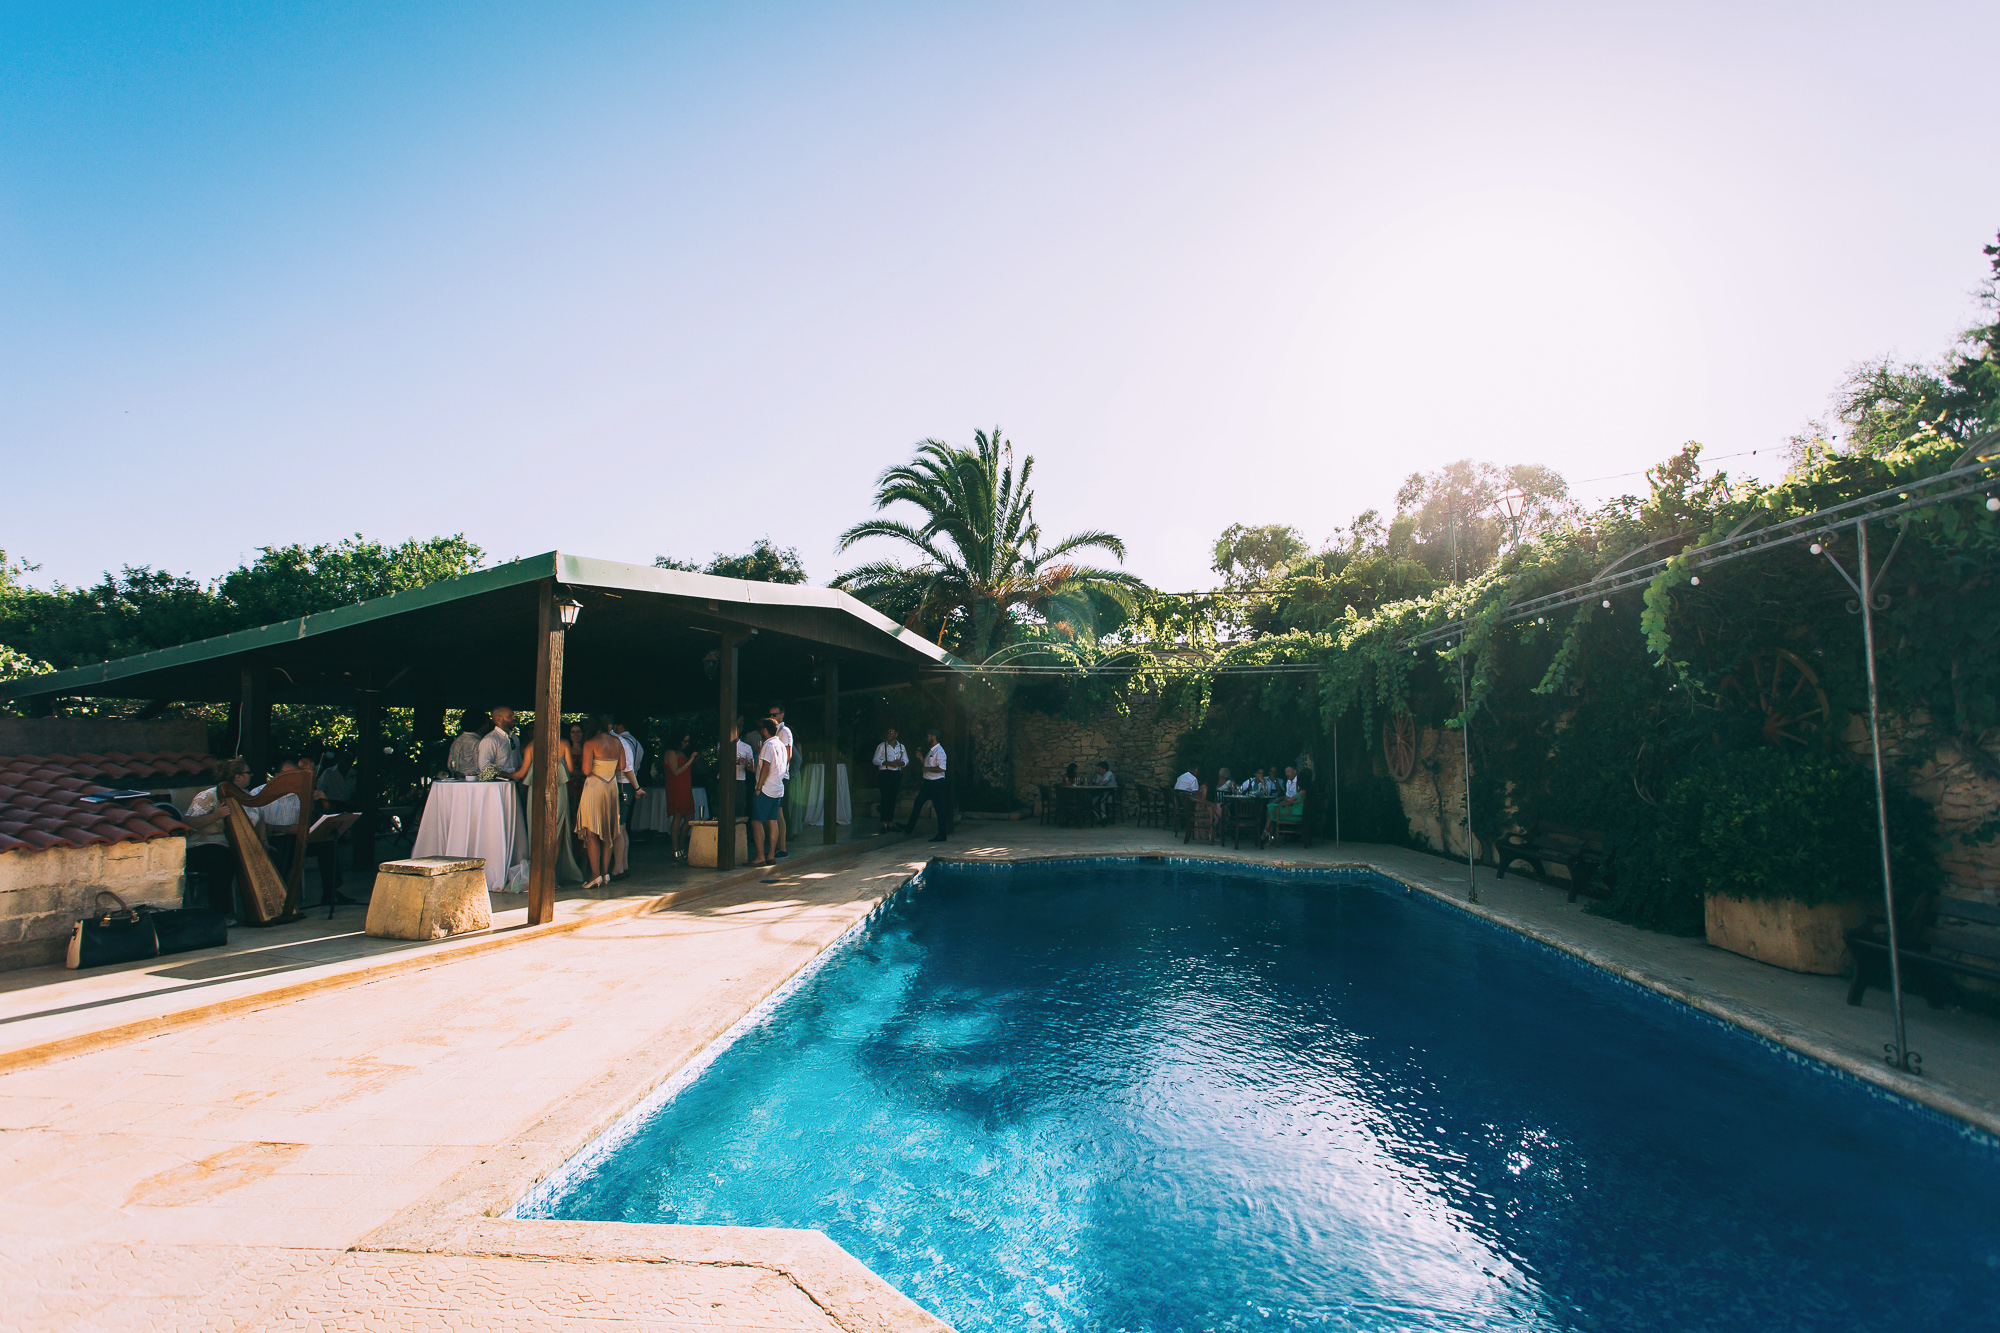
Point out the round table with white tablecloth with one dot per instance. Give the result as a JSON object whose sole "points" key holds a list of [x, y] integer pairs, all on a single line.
{"points": [[812, 780], [477, 819], [650, 811]]}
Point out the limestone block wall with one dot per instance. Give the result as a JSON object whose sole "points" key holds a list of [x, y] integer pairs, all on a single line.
{"points": [[1139, 745], [42, 894], [1960, 781]]}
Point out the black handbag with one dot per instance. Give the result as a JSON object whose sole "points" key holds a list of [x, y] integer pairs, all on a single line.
{"points": [[182, 928], [114, 935]]}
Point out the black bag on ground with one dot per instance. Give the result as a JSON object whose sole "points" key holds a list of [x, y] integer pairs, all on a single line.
{"points": [[115, 935], [182, 928]]}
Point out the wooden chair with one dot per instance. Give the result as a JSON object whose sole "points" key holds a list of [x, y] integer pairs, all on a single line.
{"points": [[1297, 825], [1047, 813]]}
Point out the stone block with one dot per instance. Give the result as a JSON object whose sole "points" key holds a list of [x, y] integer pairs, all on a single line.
{"points": [[429, 898], [702, 839]]}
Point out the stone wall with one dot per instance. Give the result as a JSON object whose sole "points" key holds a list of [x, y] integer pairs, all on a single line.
{"points": [[43, 894], [1138, 745], [98, 735], [1434, 797], [1961, 784]]}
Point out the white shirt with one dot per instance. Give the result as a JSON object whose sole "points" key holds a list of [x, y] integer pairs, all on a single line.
{"points": [[891, 752], [934, 762], [496, 747], [1109, 779], [1291, 787], [1187, 782], [746, 759], [634, 752], [464, 758], [774, 755], [205, 803], [280, 816], [791, 750]]}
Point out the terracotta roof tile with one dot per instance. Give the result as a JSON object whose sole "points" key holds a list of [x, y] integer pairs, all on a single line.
{"points": [[41, 803]]}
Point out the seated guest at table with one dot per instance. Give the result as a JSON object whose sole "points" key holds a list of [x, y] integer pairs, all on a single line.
{"points": [[281, 817], [498, 749], [464, 758], [1187, 782], [1290, 802], [1257, 784], [567, 870], [597, 812], [1105, 805], [1224, 785], [208, 852], [678, 767], [1069, 777], [767, 803]]}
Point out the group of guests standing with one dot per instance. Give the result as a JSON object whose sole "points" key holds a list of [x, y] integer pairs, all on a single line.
{"points": [[891, 758]]}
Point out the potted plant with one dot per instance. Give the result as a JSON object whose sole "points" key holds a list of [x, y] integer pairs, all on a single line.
{"points": [[1783, 848]]}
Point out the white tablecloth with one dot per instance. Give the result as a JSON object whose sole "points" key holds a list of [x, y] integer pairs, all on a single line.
{"points": [[476, 819], [813, 781], [650, 812]]}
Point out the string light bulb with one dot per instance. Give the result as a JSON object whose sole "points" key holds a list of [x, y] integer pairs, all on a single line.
{"points": [[1993, 504], [1817, 549], [1695, 579], [1607, 604]]}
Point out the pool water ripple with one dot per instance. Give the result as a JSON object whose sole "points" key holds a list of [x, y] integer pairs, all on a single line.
{"points": [[1131, 1096]]}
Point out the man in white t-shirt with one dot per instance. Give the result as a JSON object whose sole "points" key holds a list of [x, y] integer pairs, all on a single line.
{"points": [[746, 766], [933, 789], [890, 761], [767, 802], [1187, 782], [790, 771]]}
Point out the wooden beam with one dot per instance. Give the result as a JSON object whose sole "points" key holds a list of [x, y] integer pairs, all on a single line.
{"points": [[829, 805], [545, 801], [726, 813], [257, 720], [367, 778]]}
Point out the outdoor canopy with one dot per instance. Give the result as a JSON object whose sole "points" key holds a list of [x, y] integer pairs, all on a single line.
{"points": [[640, 640]]}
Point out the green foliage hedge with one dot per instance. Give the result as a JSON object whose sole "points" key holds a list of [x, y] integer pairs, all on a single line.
{"points": [[1770, 823]]}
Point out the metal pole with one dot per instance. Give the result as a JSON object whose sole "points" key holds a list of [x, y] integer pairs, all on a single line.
{"points": [[1898, 1052], [1336, 782], [1465, 739]]}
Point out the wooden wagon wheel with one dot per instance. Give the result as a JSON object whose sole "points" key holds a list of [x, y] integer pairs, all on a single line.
{"points": [[1787, 692], [1399, 746]]}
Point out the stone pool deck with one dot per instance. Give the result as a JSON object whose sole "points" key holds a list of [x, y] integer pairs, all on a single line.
{"points": [[336, 1151]]}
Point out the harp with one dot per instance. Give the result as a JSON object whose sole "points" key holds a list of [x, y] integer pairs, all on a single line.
{"points": [[270, 898]]}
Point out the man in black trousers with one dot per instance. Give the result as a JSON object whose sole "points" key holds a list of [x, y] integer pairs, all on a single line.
{"points": [[932, 789]]}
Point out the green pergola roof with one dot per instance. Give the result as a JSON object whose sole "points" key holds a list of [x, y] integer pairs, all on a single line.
{"points": [[469, 641]]}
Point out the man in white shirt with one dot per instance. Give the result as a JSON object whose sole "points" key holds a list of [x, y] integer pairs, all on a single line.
{"points": [[1187, 782], [890, 761], [791, 770], [767, 803], [496, 747], [933, 789], [746, 765], [635, 754]]}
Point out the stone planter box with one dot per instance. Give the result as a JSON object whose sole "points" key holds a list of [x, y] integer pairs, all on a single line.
{"points": [[1783, 932]]}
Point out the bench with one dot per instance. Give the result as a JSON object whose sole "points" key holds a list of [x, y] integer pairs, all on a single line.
{"points": [[1584, 853], [1935, 923]]}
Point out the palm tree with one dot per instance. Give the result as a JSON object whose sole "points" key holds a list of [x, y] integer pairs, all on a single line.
{"points": [[982, 564]]}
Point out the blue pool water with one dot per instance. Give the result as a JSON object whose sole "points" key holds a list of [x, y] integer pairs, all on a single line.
{"points": [[1123, 1095]]}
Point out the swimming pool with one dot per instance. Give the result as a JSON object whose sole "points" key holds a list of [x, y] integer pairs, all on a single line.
{"points": [[1135, 1095]]}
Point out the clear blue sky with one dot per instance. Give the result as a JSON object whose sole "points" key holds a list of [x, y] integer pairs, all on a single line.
{"points": [[639, 279]]}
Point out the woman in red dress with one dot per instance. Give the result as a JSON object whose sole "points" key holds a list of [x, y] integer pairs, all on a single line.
{"points": [[678, 765]]}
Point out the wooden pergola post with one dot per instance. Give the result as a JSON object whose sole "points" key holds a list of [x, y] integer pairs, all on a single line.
{"points": [[367, 776], [726, 813], [829, 805], [544, 802], [257, 720], [427, 730]]}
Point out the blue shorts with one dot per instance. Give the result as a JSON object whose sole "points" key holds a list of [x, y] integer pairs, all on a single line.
{"points": [[765, 809]]}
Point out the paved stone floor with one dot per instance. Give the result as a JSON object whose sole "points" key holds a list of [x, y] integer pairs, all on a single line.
{"points": [[341, 1158]]}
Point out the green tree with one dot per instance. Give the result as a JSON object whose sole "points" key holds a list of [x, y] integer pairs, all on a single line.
{"points": [[982, 571], [284, 582], [762, 563], [1245, 556]]}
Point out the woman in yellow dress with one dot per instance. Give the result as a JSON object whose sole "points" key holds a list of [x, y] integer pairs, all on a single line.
{"points": [[597, 810]]}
